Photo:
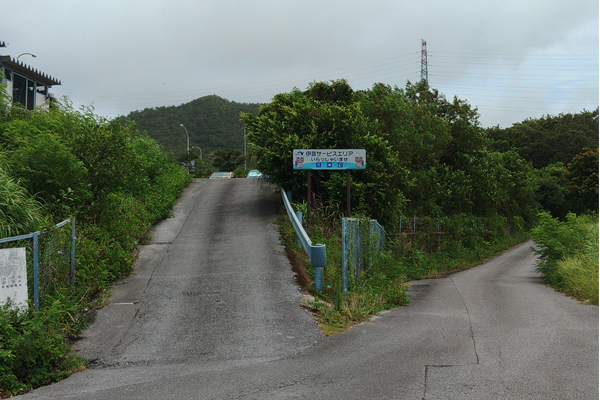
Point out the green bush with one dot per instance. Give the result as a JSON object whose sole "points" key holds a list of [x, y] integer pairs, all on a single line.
{"points": [[33, 350], [569, 254], [20, 213], [115, 181]]}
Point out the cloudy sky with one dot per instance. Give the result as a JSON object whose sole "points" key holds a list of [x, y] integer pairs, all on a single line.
{"points": [[512, 59]]}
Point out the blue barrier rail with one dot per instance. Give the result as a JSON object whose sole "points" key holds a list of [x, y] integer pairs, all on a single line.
{"points": [[316, 253]]}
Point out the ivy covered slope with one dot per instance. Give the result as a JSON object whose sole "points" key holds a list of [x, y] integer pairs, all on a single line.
{"points": [[212, 123], [59, 163]]}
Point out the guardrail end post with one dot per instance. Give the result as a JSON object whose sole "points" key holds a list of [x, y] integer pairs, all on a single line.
{"points": [[319, 279], [318, 260]]}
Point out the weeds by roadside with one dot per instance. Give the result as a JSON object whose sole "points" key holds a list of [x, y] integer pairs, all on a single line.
{"points": [[569, 254], [383, 285]]}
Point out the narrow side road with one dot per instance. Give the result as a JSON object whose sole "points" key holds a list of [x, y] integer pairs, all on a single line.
{"points": [[211, 314]]}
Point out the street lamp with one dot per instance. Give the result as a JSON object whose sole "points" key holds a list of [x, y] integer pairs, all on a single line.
{"points": [[196, 147], [22, 54], [188, 138]]}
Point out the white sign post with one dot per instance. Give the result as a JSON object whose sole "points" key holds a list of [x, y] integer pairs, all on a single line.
{"points": [[13, 276]]}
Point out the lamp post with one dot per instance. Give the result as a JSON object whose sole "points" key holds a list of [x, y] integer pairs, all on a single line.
{"points": [[196, 147], [188, 138], [22, 54]]}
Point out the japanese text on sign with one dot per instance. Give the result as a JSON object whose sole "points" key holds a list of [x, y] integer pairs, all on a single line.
{"points": [[330, 159]]}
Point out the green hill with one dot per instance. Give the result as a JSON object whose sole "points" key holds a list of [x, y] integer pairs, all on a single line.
{"points": [[212, 122]]}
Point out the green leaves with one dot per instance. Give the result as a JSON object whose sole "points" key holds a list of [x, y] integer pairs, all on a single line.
{"points": [[327, 115], [228, 159], [20, 213], [115, 180], [569, 254]]}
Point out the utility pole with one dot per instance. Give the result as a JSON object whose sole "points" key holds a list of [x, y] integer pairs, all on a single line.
{"points": [[245, 164], [424, 61]]}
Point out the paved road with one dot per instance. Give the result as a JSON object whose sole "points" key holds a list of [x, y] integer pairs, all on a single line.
{"points": [[211, 314]]}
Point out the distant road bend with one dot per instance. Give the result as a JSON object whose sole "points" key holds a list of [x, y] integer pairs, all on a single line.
{"points": [[211, 313]]}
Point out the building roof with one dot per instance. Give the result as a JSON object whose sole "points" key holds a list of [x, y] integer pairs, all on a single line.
{"points": [[21, 67]]}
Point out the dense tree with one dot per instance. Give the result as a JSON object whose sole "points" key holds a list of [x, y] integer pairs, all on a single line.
{"points": [[549, 139], [326, 116], [212, 123], [583, 182], [446, 154], [227, 159]]}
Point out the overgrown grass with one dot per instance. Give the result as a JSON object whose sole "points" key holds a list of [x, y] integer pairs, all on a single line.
{"points": [[384, 283], [569, 254], [116, 182]]}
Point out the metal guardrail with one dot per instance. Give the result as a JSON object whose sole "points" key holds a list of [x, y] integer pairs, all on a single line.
{"points": [[35, 236], [316, 253]]}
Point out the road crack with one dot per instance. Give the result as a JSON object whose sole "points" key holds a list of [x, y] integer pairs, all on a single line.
{"points": [[470, 322]]}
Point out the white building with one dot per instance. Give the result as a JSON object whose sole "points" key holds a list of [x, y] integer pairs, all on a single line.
{"points": [[27, 85]]}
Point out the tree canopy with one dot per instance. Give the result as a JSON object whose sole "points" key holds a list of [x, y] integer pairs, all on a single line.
{"points": [[425, 155], [212, 123]]}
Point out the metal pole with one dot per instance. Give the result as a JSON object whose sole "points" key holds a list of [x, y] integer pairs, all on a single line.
{"points": [[188, 138], [73, 251], [196, 147], [344, 256], [36, 281], [348, 193], [357, 254], [22, 54], [308, 199]]}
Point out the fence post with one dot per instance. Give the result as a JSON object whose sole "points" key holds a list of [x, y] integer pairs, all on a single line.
{"points": [[357, 265], [73, 251], [344, 256], [36, 283], [318, 260]]}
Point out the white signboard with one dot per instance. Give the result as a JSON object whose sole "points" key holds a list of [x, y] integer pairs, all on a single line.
{"points": [[13, 276], [329, 159]]}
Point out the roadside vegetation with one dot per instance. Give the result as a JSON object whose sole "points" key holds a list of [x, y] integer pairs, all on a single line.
{"points": [[569, 254], [429, 159], [60, 163]]}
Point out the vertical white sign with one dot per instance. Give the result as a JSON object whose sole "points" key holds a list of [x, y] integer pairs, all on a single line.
{"points": [[13, 276]]}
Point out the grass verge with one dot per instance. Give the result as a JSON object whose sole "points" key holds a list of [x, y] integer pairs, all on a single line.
{"points": [[569, 255], [384, 283]]}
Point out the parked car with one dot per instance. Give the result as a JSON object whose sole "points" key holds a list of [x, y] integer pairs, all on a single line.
{"points": [[254, 174], [222, 175]]}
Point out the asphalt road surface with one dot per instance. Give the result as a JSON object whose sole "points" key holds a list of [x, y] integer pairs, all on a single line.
{"points": [[211, 314]]}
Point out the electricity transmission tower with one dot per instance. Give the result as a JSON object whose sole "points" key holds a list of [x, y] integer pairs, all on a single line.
{"points": [[424, 61]]}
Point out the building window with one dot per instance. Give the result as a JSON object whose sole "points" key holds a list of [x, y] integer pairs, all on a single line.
{"points": [[23, 91], [19, 89]]}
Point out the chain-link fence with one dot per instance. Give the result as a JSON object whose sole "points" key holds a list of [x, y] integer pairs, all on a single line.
{"points": [[361, 242], [432, 234], [50, 258]]}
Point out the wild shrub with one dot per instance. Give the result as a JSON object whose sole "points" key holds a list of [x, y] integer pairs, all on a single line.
{"points": [[20, 213], [61, 163], [568, 253]]}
